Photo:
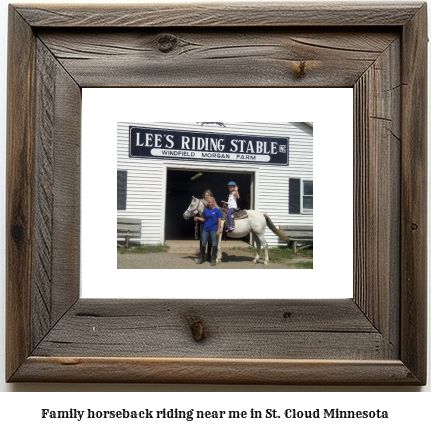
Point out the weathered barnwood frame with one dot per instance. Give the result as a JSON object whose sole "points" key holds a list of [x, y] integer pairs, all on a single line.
{"points": [[378, 337]]}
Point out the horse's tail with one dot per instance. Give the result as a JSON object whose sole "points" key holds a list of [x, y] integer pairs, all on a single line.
{"points": [[278, 232]]}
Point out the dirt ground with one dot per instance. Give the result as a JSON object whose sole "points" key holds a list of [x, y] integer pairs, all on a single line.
{"points": [[186, 258]]}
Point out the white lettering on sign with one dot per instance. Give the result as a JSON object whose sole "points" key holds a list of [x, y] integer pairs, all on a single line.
{"points": [[148, 139], [210, 146], [170, 140], [209, 155], [138, 135], [257, 147], [199, 143]]}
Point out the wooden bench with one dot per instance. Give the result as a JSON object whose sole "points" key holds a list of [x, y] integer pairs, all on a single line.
{"points": [[128, 228], [297, 233]]}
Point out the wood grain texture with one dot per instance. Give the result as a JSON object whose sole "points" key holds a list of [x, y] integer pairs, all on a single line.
{"points": [[413, 192], [215, 371], [55, 280], [67, 198], [213, 14], [234, 329], [227, 58], [44, 195], [19, 199], [376, 227], [378, 337]]}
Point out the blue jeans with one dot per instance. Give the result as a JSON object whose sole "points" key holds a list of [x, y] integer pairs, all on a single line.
{"points": [[229, 216], [212, 235]]}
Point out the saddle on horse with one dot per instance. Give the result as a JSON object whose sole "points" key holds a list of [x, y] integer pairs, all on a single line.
{"points": [[238, 214]]}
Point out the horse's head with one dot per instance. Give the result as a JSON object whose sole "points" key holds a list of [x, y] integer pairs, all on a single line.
{"points": [[193, 208]]}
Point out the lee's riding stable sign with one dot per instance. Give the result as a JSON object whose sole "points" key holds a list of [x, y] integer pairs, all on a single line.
{"points": [[205, 146]]}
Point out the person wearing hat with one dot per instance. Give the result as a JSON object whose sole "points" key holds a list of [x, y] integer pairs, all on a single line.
{"points": [[232, 203]]}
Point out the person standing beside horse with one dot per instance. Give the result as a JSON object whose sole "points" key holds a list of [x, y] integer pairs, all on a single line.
{"points": [[231, 203], [206, 195], [211, 217]]}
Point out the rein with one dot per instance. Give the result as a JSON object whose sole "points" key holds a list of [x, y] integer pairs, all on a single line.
{"points": [[196, 222]]}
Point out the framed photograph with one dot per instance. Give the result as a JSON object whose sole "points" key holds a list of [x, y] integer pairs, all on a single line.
{"points": [[155, 193], [378, 337]]}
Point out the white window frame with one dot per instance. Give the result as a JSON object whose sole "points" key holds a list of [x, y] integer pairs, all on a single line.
{"points": [[305, 210]]}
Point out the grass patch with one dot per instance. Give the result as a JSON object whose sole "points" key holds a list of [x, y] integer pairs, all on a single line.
{"points": [[276, 254], [305, 265], [285, 255], [143, 249], [306, 252], [280, 254]]}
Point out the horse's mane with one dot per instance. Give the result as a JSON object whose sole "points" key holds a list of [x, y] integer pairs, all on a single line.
{"points": [[205, 202]]}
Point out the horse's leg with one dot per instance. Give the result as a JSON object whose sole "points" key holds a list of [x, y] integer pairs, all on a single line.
{"points": [[218, 257], [258, 245], [265, 246]]}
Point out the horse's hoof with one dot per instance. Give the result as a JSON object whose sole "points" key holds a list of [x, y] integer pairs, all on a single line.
{"points": [[253, 262], [265, 264]]}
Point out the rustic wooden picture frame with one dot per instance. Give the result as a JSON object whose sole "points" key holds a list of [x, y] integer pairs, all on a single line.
{"points": [[378, 337]]}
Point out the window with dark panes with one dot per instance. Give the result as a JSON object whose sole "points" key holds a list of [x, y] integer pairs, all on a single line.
{"points": [[300, 196], [294, 196], [121, 190], [307, 196]]}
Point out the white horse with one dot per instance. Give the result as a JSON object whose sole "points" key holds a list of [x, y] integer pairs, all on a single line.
{"points": [[255, 223]]}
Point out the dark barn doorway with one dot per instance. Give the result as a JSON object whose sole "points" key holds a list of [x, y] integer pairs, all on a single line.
{"points": [[179, 191]]}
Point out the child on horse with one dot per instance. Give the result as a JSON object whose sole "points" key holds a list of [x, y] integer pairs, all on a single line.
{"points": [[231, 203]]}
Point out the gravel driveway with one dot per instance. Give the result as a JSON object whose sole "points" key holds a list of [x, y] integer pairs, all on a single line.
{"points": [[186, 258]]}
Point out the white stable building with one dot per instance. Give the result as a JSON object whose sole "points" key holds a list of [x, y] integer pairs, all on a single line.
{"points": [[160, 166]]}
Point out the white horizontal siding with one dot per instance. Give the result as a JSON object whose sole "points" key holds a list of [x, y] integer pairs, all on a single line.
{"points": [[145, 193]]}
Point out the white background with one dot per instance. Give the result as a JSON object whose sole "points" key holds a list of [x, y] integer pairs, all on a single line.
{"points": [[331, 110], [407, 406]]}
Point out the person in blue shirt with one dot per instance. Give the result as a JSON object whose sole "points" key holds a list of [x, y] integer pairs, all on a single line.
{"points": [[206, 194], [212, 223]]}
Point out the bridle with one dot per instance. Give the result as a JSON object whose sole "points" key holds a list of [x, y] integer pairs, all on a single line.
{"points": [[194, 209]]}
